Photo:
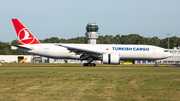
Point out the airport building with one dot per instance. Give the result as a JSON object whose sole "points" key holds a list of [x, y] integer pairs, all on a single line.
{"points": [[39, 59], [175, 56], [16, 58]]}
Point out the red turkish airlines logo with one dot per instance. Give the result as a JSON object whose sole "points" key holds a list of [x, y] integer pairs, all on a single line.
{"points": [[25, 36]]}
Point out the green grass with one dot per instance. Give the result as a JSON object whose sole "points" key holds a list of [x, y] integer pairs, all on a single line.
{"points": [[64, 82]]}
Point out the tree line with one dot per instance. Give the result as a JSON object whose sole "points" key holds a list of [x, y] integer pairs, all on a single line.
{"points": [[174, 41]]}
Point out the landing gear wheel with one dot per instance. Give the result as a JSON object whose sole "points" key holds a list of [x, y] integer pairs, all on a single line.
{"points": [[89, 64], [93, 64], [155, 65], [84, 64]]}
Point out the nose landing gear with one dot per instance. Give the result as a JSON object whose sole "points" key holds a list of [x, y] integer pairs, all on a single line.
{"points": [[156, 64]]}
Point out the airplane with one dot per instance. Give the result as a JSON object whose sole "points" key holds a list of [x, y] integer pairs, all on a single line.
{"points": [[107, 53]]}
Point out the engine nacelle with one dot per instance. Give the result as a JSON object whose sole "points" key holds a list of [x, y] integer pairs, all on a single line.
{"points": [[111, 58]]}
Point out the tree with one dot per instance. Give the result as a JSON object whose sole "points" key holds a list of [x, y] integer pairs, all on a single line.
{"points": [[155, 41], [164, 43], [116, 39], [174, 41], [15, 42], [125, 39], [5, 48]]}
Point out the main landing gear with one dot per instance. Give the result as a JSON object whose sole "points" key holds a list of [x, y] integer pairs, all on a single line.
{"points": [[89, 64], [90, 59]]}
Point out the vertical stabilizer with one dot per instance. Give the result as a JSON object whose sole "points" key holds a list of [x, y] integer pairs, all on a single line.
{"points": [[24, 35]]}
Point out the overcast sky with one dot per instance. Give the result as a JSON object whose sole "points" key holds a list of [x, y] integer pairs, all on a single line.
{"points": [[68, 18]]}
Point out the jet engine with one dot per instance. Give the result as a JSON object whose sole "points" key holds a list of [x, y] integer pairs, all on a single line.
{"points": [[111, 58]]}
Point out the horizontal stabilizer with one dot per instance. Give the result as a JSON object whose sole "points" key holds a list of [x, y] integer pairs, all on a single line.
{"points": [[23, 47]]}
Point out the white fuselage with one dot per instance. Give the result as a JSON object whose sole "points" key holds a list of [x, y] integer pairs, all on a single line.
{"points": [[127, 52]]}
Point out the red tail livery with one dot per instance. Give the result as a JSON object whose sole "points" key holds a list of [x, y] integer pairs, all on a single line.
{"points": [[25, 37]]}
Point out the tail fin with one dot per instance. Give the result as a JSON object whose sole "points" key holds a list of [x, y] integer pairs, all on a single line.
{"points": [[25, 37]]}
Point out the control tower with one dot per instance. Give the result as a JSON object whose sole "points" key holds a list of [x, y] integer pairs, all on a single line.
{"points": [[92, 33]]}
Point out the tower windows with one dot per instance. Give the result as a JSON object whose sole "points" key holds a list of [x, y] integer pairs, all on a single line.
{"points": [[92, 28]]}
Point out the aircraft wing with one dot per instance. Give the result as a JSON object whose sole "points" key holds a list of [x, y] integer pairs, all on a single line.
{"points": [[79, 51]]}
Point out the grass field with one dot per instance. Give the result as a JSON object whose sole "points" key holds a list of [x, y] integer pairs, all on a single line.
{"points": [[73, 82]]}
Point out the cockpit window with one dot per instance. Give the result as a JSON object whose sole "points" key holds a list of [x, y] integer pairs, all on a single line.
{"points": [[165, 50]]}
